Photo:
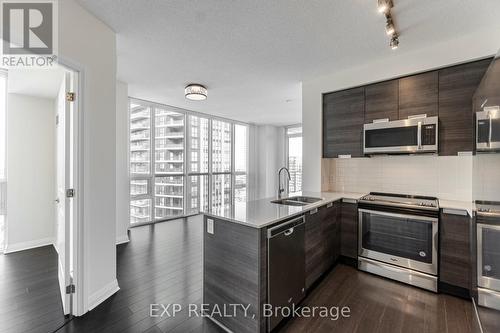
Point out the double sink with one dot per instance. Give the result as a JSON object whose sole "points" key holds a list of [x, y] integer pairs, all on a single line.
{"points": [[296, 201]]}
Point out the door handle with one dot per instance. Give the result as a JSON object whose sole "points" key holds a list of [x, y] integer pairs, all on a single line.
{"points": [[288, 232], [57, 200]]}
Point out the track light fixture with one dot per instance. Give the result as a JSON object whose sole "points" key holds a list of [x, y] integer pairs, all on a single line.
{"points": [[384, 6]]}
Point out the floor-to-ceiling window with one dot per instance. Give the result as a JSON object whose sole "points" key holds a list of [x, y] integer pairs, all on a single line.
{"points": [[183, 162], [3, 172], [294, 157]]}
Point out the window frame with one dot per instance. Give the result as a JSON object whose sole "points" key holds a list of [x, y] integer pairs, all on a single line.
{"points": [[287, 148], [186, 159]]}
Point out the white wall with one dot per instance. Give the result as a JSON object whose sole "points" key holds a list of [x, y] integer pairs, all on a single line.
{"points": [[31, 167], [86, 41], [267, 155], [460, 49], [446, 177], [122, 176]]}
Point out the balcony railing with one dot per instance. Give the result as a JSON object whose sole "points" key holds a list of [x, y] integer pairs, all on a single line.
{"points": [[170, 146], [172, 123], [139, 136]]}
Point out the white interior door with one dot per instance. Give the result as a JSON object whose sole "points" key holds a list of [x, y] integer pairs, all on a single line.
{"points": [[63, 203]]}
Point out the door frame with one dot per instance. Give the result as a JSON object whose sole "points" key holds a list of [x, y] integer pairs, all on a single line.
{"points": [[79, 230], [5, 73], [79, 249]]}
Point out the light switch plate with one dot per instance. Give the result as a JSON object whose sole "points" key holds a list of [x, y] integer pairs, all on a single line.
{"points": [[210, 226]]}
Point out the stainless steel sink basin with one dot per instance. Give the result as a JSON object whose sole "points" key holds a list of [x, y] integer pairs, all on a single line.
{"points": [[296, 201]]}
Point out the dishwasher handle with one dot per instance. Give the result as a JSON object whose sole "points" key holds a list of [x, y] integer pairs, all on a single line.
{"points": [[285, 228]]}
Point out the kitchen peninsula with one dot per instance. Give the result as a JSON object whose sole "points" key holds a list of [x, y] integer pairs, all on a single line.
{"points": [[238, 248]]}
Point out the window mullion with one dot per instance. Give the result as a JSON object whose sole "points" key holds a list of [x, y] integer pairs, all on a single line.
{"points": [[210, 161], [232, 180], [152, 169], [186, 161]]}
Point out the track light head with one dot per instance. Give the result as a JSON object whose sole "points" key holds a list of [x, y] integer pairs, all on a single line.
{"points": [[389, 27], [384, 6], [394, 42]]}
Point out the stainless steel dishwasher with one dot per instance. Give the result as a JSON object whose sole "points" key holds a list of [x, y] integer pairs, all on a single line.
{"points": [[285, 266]]}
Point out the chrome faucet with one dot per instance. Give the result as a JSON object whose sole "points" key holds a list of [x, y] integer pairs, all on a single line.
{"points": [[280, 189]]}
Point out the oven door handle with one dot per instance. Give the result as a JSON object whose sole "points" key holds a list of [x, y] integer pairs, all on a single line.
{"points": [[414, 217], [490, 133], [419, 135]]}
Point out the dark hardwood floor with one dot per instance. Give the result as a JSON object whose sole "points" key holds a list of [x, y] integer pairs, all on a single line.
{"points": [[163, 263], [490, 319], [382, 305], [30, 300]]}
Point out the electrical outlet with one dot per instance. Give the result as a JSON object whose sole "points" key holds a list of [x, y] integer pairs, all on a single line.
{"points": [[210, 226]]}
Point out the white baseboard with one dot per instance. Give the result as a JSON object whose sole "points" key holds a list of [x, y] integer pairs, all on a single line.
{"points": [[102, 294], [16, 247], [122, 239]]}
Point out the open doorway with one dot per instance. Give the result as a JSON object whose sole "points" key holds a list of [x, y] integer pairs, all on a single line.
{"points": [[38, 179]]}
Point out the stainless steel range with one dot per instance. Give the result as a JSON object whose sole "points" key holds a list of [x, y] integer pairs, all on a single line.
{"points": [[488, 253], [398, 238]]}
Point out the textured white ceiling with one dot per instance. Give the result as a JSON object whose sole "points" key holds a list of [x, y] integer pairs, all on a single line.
{"points": [[253, 54]]}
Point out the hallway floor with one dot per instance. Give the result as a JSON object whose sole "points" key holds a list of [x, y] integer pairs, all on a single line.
{"points": [[30, 300]]}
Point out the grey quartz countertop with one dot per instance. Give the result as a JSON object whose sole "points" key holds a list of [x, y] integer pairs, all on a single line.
{"points": [[261, 213]]}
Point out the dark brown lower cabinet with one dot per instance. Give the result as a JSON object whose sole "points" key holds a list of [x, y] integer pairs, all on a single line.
{"points": [[349, 230], [314, 246], [454, 254], [322, 241]]}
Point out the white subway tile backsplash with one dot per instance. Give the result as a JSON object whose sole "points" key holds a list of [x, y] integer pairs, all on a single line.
{"points": [[448, 177]]}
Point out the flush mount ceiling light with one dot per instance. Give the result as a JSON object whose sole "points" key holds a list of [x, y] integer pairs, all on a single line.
{"points": [[195, 92], [384, 6]]}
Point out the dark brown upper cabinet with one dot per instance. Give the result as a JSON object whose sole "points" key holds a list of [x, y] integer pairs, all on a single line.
{"points": [[446, 93], [418, 94], [382, 101], [343, 118], [456, 117]]}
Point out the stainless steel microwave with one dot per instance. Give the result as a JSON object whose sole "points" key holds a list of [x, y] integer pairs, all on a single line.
{"points": [[408, 136], [488, 129]]}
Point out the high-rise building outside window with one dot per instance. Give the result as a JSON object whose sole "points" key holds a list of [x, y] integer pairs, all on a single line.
{"points": [[294, 157], [182, 162]]}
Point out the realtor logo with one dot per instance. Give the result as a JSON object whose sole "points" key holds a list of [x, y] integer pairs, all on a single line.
{"points": [[28, 32]]}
